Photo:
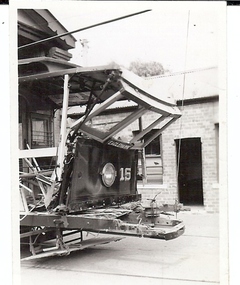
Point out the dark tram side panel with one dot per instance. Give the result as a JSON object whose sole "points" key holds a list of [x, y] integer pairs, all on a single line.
{"points": [[87, 188]]}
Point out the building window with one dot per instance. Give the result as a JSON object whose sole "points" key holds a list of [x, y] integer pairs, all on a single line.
{"points": [[154, 147], [152, 160], [41, 131]]}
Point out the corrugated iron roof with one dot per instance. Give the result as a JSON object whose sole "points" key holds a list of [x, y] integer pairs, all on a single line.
{"points": [[190, 84]]}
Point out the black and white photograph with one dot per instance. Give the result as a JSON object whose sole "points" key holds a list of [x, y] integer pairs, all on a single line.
{"points": [[119, 116]]}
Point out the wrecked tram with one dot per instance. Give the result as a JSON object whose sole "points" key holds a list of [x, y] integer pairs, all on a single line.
{"points": [[93, 185]]}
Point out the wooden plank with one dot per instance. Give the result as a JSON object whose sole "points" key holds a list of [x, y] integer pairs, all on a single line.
{"points": [[39, 152], [157, 133], [63, 130], [75, 70], [125, 122], [148, 129], [98, 109], [149, 101]]}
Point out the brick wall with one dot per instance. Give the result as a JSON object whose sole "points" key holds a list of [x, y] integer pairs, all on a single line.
{"points": [[198, 120], [165, 195]]}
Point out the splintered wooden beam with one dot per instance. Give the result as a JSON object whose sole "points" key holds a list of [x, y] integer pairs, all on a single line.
{"points": [[63, 131]]}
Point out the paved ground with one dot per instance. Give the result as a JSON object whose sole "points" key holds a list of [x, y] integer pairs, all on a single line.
{"points": [[191, 259]]}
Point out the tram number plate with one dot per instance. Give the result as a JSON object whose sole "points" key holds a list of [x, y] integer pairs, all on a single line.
{"points": [[125, 174]]}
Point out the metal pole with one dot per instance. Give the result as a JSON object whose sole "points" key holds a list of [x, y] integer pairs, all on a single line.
{"points": [[143, 158]]}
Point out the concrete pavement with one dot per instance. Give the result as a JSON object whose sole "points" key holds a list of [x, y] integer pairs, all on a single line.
{"points": [[190, 259]]}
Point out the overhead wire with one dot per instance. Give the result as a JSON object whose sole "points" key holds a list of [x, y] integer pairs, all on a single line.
{"points": [[82, 29]]}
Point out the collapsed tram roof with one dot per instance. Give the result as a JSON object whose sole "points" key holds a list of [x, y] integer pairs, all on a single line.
{"points": [[43, 82], [43, 77]]}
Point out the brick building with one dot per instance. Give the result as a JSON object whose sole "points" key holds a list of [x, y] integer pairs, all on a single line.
{"points": [[190, 145]]}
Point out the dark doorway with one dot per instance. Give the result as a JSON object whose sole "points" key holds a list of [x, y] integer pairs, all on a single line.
{"points": [[189, 161]]}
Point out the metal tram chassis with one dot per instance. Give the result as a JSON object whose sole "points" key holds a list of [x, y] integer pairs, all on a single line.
{"points": [[112, 222]]}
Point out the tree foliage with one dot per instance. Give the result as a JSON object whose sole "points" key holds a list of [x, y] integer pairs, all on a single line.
{"points": [[146, 69]]}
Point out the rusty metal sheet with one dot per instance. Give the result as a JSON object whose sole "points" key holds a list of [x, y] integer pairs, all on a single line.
{"points": [[162, 229]]}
